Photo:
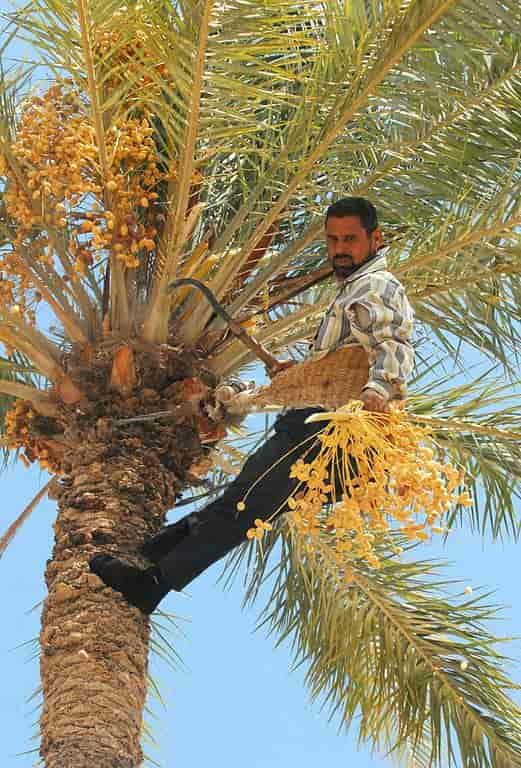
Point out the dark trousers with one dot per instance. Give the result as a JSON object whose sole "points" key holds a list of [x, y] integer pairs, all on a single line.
{"points": [[220, 527]]}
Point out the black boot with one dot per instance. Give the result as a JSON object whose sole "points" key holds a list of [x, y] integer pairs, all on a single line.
{"points": [[169, 537], [143, 589]]}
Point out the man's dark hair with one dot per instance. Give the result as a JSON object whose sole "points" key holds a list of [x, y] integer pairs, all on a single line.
{"points": [[355, 206]]}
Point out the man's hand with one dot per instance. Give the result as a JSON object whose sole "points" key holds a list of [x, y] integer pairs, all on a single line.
{"points": [[280, 366], [373, 401]]}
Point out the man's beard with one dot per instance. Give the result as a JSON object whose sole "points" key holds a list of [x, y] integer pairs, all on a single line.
{"points": [[346, 269]]}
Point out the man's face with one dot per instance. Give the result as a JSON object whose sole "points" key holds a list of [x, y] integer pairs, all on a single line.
{"points": [[348, 243]]}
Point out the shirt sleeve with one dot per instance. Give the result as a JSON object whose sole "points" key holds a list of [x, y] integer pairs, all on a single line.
{"points": [[382, 322]]}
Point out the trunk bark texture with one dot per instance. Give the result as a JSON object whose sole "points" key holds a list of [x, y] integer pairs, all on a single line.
{"points": [[94, 646], [117, 479]]}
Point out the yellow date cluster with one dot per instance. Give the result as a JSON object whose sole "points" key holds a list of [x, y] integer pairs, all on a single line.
{"points": [[18, 435], [130, 60], [60, 193], [374, 474], [380, 473], [54, 161]]}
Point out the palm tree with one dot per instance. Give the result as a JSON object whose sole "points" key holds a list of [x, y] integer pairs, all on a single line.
{"points": [[202, 139]]}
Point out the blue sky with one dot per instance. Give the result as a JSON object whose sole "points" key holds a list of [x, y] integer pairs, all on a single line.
{"points": [[235, 703]]}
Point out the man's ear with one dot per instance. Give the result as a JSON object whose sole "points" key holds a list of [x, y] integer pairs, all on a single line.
{"points": [[378, 240]]}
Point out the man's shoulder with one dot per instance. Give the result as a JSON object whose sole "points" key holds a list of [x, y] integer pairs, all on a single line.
{"points": [[378, 279]]}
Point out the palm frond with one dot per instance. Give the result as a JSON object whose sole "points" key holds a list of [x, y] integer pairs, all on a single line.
{"points": [[477, 426], [379, 164], [407, 28], [415, 668]]}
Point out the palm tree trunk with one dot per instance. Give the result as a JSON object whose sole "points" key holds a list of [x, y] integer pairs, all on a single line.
{"points": [[94, 646]]}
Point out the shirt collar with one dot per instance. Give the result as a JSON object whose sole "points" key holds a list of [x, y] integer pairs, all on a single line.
{"points": [[376, 262]]}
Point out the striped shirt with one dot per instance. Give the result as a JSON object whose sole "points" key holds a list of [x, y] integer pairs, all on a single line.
{"points": [[372, 310]]}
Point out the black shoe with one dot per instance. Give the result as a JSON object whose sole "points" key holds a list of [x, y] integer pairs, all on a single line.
{"points": [[156, 548], [143, 589]]}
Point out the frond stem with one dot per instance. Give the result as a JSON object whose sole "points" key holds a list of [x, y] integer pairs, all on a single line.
{"points": [[20, 520]]}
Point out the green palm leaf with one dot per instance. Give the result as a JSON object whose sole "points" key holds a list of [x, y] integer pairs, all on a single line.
{"points": [[477, 426], [415, 667]]}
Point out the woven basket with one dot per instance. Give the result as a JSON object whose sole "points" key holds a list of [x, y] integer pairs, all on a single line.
{"points": [[330, 381]]}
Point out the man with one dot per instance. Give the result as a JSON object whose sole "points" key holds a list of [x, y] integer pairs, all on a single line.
{"points": [[371, 310]]}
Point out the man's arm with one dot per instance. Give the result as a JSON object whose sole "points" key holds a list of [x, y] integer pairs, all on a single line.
{"points": [[382, 322]]}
